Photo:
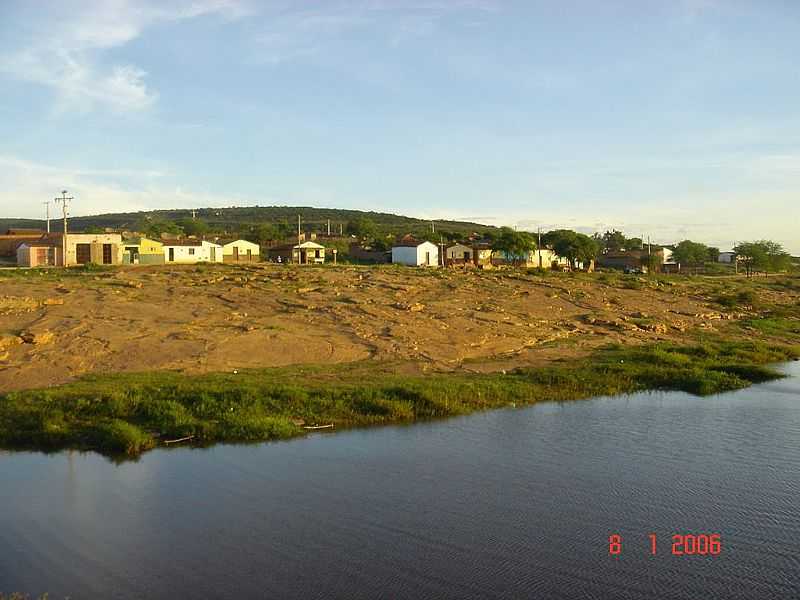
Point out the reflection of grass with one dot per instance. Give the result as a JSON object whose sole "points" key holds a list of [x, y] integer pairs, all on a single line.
{"points": [[130, 413]]}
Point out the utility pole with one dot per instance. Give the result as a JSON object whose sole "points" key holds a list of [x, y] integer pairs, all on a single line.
{"points": [[341, 230], [47, 213], [433, 227], [194, 215], [298, 230], [64, 200], [539, 245], [329, 228]]}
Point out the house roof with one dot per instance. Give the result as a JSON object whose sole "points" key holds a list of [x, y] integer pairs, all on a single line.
{"points": [[410, 243], [312, 245], [193, 243], [38, 244]]}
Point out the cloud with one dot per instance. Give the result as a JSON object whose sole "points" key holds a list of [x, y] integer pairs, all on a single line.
{"points": [[63, 52], [299, 33], [25, 185]]}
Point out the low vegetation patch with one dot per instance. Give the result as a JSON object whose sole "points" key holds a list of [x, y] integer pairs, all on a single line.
{"points": [[127, 414]]}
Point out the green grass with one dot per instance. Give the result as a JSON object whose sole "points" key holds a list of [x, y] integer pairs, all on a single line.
{"points": [[127, 414]]}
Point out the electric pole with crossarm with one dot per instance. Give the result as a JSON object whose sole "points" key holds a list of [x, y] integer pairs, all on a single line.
{"points": [[64, 200]]}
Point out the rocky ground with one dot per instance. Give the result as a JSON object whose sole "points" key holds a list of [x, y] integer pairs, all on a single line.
{"points": [[57, 326]]}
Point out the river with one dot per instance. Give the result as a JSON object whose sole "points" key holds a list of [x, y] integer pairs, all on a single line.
{"points": [[515, 503]]}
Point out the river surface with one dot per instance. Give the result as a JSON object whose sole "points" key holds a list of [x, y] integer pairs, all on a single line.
{"points": [[515, 503]]}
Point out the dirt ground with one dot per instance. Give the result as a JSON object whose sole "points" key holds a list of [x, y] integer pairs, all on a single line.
{"points": [[54, 327]]}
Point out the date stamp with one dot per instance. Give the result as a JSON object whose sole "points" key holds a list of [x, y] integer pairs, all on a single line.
{"points": [[683, 544]]}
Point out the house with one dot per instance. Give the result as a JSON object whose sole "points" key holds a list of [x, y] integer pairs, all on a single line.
{"points": [[142, 251], [415, 254], [10, 241], [82, 248], [37, 254], [305, 253], [458, 254], [191, 252], [359, 252], [726, 257], [630, 259], [482, 255], [541, 258], [241, 251]]}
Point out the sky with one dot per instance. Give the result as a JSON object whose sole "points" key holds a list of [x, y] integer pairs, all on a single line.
{"points": [[672, 120]]}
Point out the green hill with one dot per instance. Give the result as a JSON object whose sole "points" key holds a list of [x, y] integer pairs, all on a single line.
{"points": [[236, 219]]}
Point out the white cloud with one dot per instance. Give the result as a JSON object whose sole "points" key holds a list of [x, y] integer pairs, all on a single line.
{"points": [[26, 185], [64, 51]]}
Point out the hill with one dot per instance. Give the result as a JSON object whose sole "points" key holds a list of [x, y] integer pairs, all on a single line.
{"points": [[233, 219]]}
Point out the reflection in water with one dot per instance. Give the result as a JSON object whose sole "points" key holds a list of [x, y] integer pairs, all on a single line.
{"points": [[505, 504]]}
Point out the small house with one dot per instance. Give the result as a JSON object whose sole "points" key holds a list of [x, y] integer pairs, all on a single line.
{"points": [[191, 252], [38, 254], [415, 254], [458, 254], [143, 251], [726, 257], [239, 251], [305, 253]]}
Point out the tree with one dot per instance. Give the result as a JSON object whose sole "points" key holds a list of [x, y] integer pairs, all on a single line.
{"points": [[690, 253], [651, 260], [713, 254], [613, 241], [753, 257], [154, 229], [516, 245], [634, 244], [575, 247], [196, 227], [362, 228], [777, 258], [263, 233]]}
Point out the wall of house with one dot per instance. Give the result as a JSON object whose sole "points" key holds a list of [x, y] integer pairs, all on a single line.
{"points": [[96, 243], [229, 254], [415, 256], [193, 254], [457, 252], [37, 256]]}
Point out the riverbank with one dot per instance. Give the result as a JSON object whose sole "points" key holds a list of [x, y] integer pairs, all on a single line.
{"points": [[127, 414]]}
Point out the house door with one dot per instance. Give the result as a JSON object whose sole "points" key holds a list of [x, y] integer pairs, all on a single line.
{"points": [[249, 256], [427, 258], [214, 254], [106, 254], [83, 253], [172, 255], [466, 256], [236, 253]]}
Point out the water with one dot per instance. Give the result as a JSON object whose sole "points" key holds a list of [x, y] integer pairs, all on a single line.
{"points": [[505, 504]]}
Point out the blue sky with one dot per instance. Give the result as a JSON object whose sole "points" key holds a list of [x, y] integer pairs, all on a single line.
{"points": [[673, 119]]}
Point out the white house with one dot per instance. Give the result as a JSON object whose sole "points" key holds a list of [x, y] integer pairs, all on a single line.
{"points": [[416, 254], [726, 257], [190, 252], [241, 251]]}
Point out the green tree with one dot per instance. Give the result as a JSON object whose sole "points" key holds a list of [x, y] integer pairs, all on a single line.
{"points": [[651, 260], [690, 253], [575, 247], [154, 229], [753, 257], [634, 244], [196, 227], [362, 228], [516, 245], [613, 241], [263, 233], [713, 254]]}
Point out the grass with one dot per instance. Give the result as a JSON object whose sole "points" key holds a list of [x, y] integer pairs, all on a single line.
{"points": [[127, 414]]}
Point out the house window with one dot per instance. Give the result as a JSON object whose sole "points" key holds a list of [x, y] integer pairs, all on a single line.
{"points": [[191, 251]]}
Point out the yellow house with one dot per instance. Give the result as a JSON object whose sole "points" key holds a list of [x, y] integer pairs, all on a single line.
{"points": [[143, 251]]}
